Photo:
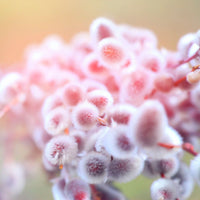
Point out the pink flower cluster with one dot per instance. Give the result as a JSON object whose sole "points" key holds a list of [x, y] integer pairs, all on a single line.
{"points": [[109, 106]]}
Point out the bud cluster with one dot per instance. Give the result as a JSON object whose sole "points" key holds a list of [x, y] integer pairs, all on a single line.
{"points": [[109, 106]]}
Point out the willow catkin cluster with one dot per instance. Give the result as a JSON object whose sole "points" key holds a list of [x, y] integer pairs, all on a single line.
{"points": [[108, 106]]}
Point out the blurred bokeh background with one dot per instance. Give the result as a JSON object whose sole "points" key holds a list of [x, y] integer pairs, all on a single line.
{"points": [[23, 22]]}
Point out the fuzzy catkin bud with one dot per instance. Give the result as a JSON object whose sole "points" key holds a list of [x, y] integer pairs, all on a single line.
{"points": [[111, 52], [11, 85], [159, 167], [60, 150], [120, 113], [91, 85], [77, 190], [48, 165], [193, 77], [185, 180], [170, 136], [56, 121], [153, 60], [185, 43], [136, 86], [79, 137], [93, 68], [164, 82], [84, 116], [102, 99], [165, 189], [101, 28], [125, 170], [149, 124], [50, 103], [72, 94], [138, 39], [118, 143], [93, 168]]}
